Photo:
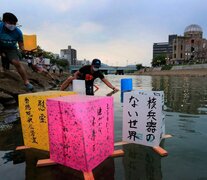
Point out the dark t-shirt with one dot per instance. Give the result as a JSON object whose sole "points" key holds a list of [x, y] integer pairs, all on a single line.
{"points": [[89, 77]]}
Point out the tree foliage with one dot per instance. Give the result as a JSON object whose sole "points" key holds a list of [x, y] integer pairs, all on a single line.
{"points": [[53, 59], [159, 60], [139, 66]]}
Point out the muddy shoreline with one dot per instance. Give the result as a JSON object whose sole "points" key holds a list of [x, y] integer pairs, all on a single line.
{"points": [[11, 84]]}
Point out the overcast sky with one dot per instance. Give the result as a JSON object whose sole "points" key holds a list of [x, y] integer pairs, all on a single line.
{"points": [[119, 32]]}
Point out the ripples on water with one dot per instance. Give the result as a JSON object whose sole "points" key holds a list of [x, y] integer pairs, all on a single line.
{"points": [[186, 120]]}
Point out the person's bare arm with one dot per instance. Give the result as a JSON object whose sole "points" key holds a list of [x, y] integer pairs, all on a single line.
{"points": [[21, 46], [66, 83], [109, 84], [69, 80], [76, 74]]}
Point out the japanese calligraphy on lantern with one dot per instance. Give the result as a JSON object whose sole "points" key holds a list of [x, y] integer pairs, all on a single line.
{"points": [[143, 118], [33, 114], [81, 130]]}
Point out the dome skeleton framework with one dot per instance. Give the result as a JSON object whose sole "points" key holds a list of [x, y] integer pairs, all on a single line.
{"points": [[193, 28]]}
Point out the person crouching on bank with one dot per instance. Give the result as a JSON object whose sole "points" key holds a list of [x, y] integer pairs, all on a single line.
{"points": [[88, 73]]}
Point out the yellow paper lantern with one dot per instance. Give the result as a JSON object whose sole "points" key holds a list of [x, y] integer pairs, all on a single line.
{"points": [[33, 114], [30, 42]]}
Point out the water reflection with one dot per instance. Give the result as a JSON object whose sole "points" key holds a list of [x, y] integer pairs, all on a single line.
{"points": [[47, 172], [105, 170], [187, 123], [143, 82], [183, 94], [11, 135], [141, 162]]}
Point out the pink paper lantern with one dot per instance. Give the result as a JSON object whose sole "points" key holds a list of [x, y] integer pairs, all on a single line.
{"points": [[81, 130]]}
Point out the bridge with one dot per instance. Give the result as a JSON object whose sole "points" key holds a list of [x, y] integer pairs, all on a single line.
{"points": [[118, 70]]}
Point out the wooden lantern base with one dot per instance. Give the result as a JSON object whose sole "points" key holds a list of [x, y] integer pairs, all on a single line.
{"points": [[157, 149], [49, 162], [87, 175], [116, 153]]}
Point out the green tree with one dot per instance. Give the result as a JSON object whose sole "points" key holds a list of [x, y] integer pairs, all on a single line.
{"points": [[159, 60], [139, 66], [63, 62], [53, 59]]}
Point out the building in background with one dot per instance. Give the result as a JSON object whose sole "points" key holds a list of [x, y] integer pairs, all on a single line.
{"points": [[83, 62], [191, 47], [164, 48], [69, 54]]}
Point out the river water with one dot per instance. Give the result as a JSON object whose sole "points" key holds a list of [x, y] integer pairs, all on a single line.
{"points": [[186, 121]]}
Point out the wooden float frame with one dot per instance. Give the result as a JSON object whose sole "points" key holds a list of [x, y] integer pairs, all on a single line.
{"points": [[116, 153], [87, 175]]}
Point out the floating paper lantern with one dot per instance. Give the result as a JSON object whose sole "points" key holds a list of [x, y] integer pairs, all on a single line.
{"points": [[143, 118], [81, 130], [79, 86], [33, 113]]}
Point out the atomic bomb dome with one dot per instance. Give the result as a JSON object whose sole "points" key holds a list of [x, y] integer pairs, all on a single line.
{"points": [[193, 27], [184, 49], [193, 30]]}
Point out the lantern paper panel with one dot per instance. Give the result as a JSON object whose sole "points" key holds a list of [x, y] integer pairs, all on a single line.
{"points": [[143, 118], [81, 130], [33, 114], [30, 42]]}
